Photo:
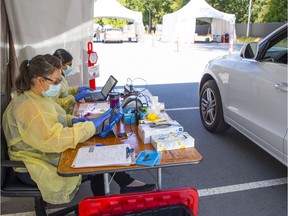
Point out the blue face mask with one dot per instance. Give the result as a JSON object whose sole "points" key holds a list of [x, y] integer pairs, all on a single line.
{"points": [[68, 70], [52, 91]]}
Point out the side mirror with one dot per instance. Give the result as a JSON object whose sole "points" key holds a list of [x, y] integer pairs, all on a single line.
{"points": [[249, 50]]}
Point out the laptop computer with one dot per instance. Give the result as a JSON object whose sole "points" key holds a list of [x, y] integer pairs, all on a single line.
{"points": [[104, 93]]}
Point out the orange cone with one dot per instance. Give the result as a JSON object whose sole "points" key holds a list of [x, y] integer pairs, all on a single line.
{"points": [[231, 44]]}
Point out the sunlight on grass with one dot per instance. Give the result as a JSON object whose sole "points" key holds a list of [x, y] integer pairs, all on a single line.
{"points": [[242, 39]]}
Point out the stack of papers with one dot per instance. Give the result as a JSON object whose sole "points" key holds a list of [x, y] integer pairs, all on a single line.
{"points": [[149, 158], [112, 155]]}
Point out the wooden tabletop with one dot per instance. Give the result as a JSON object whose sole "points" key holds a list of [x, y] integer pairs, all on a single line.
{"points": [[169, 158]]}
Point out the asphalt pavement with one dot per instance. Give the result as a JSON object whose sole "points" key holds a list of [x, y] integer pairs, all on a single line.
{"points": [[235, 177]]}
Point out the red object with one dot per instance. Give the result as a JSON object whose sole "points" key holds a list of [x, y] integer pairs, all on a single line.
{"points": [[92, 60], [129, 203], [92, 56], [92, 83], [223, 39]]}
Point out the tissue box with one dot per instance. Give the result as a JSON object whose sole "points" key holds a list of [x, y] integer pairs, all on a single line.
{"points": [[145, 131], [172, 140]]}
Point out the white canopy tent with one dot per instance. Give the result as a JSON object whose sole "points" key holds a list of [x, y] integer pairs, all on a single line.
{"points": [[181, 24], [113, 9]]}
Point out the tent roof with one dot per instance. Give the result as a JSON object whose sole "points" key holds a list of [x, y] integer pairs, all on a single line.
{"points": [[201, 9], [113, 9]]}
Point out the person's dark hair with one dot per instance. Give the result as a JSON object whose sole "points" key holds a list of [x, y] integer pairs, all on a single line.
{"points": [[56, 62], [63, 55], [29, 69]]}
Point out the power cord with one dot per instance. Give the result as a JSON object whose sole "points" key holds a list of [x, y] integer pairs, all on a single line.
{"points": [[129, 86]]}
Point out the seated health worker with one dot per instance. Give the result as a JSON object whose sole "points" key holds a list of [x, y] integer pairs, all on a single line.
{"points": [[37, 130], [68, 95]]}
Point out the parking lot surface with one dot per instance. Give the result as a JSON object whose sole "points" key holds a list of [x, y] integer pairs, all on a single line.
{"points": [[235, 177]]}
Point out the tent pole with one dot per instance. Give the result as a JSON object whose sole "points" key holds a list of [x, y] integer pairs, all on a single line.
{"points": [[249, 16]]}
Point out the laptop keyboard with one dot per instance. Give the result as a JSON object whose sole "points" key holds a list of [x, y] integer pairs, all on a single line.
{"points": [[96, 96]]}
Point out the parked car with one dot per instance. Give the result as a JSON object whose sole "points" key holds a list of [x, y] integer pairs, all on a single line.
{"points": [[113, 35], [248, 91]]}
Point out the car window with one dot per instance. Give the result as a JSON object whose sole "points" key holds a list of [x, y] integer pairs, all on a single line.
{"points": [[278, 52]]}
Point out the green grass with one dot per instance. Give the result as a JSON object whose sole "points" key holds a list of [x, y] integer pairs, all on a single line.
{"points": [[243, 39]]}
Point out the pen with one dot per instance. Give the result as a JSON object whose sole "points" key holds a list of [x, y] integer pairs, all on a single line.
{"points": [[100, 144]]}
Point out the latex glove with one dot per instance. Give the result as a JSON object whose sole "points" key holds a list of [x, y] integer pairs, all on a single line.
{"points": [[81, 95], [84, 88], [82, 119], [99, 120]]}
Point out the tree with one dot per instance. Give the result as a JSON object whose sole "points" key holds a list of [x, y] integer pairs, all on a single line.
{"points": [[237, 7], [262, 10]]}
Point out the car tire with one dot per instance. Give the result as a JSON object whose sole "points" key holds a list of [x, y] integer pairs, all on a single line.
{"points": [[211, 111]]}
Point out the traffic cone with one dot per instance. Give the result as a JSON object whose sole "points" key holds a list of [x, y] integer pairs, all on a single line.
{"points": [[231, 42]]}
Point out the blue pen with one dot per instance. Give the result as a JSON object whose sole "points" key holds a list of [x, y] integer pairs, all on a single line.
{"points": [[98, 145]]}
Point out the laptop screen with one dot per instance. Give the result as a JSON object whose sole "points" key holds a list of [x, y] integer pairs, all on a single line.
{"points": [[110, 84]]}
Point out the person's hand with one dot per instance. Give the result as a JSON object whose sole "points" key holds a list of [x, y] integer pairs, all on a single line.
{"points": [[99, 120], [81, 95], [84, 88], [82, 119]]}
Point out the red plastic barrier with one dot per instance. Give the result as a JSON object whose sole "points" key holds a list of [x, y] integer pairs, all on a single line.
{"points": [[127, 203]]}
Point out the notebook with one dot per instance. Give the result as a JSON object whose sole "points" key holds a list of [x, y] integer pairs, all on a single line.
{"points": [[111, 155], [104, 93]]}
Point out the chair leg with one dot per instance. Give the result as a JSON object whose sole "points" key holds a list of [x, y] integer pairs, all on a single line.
{"points": [[40, 208]]}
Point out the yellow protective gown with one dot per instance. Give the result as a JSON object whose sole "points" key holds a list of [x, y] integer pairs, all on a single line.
{"points": [[65, 98], [37, 130]]}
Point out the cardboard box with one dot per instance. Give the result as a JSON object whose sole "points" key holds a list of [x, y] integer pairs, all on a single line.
{"points": [[145, 131], [172, 140]]}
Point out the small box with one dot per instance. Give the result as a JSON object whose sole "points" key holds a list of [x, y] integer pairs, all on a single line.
{"points": [[129, 116], [172, 140], [145, 131]]}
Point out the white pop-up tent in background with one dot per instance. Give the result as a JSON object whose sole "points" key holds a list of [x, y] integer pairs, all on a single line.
{"points": [[181, 24], [113, 9]]}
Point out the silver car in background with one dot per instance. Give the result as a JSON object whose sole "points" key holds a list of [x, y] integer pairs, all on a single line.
{"points": [[248, 91], [113, 35]]}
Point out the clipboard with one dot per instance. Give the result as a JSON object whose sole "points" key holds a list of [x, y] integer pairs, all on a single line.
{"points": [[95, 155]]}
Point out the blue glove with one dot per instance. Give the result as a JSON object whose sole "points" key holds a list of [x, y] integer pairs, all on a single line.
{"points": [[99, 120], [81, 95], [84, 88], [82, 119]]}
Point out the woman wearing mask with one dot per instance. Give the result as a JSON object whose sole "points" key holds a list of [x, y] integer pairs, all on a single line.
{"points": [[37, 130], [68, 95]]}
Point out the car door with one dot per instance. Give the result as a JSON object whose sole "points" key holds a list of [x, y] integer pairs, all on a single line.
{"points": [[258, 98]]}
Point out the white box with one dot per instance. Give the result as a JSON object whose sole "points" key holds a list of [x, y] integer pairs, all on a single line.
{"points": [[172, 140], [145, 131]]}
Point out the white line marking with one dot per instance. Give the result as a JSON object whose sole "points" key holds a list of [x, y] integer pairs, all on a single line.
{"points": [[214, 191], [184, 108], [241, 187]]}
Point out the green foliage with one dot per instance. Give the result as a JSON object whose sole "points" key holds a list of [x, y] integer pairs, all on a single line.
{"points": [[276, 11], [116, 23], [262, 10]]}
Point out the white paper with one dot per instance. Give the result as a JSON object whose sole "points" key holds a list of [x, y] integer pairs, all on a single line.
{"points": [[93, 156]]}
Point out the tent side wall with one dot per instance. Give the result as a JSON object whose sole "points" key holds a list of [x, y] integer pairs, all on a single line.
{"points": [[41, 27]]}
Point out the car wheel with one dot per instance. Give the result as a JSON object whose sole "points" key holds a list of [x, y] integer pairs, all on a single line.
{"points": [[211, 110]]}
